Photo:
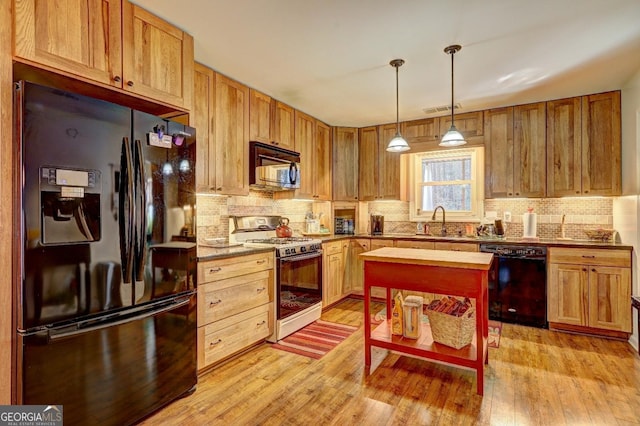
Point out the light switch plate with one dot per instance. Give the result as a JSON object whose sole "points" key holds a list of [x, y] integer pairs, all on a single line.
{"points": [[507, 217]]}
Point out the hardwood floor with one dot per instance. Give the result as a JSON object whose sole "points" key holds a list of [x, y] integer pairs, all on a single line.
{"points": [[536, 377]]}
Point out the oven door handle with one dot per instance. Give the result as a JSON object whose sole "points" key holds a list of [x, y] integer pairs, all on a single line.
{"points": [[301, 257]]}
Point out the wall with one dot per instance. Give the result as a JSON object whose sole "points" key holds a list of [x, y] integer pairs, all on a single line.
{"points": [[580, 214], [626, 212]]}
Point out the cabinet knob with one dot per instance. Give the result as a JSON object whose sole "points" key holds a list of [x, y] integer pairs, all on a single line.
{"points": [[584, 269], [593, 269], [212, 270], [586, 192], [577, 192], [130, 83], [517, 193], [261, 261], [510, 194], [217, 302], [219, 188], [263, 322], [260, 290], [117, 79], [215, 343]]}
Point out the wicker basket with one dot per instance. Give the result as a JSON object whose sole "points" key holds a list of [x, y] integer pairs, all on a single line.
{"points": [[450, 330]]}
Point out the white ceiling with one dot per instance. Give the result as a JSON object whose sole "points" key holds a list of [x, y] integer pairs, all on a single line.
{"points": [[330, 58]]}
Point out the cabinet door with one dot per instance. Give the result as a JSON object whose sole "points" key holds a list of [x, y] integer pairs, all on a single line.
{"points": [[202, 113], [368, 163], [567, 294], [422, 135], [304, 144], [563, 147], [346, 279], [601, 144], [499, 159], [470, 124], [322, 156], [345, 164], [283, 126], [530, 150], [332, 286], [259, 117], [157, 57], [609, 295], [231, 136], [356, 265], [388, 165], [81, 37]]}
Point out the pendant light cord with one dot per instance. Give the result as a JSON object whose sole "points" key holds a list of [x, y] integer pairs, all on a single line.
{"points": [[397, 103], [452, 53]]}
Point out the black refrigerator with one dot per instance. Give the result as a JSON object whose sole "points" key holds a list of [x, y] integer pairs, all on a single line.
{"points": [[105, 298]]}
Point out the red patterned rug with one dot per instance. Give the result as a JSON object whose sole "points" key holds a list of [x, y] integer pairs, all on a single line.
{"points": [[316, 339]]}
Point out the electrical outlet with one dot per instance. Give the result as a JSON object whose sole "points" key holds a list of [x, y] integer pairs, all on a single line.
{"points": [[507, 217]]}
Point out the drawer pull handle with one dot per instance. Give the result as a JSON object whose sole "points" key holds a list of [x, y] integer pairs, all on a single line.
{"points": [[260, 290], [260, 262], [588, 257], [217, 269], [263, 322], [215, 343], [217, 302]]}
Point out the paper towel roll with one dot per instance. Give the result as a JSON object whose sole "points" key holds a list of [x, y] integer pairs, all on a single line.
{"points": [[529, 221]]}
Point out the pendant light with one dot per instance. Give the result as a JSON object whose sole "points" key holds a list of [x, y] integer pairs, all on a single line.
{"points": [[397, 144], [453, 137]]}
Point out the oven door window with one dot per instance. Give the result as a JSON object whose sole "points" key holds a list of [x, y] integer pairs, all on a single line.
{"points": [[299, 283]]}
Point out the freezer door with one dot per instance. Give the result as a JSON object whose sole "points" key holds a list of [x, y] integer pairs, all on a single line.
{"points": [[71, 148], [114, 371], [164, 240]]}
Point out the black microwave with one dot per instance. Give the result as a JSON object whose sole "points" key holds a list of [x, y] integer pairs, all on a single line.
{"points": [[272, 168]]}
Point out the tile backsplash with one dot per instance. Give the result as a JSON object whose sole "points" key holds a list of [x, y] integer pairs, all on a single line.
{"points": [[580, 213]]}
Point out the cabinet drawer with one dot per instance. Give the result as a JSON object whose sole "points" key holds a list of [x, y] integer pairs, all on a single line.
{"points": [[456, 246], [223, 338], [415, 244], [603, 257], [332, 248], [234, 266], [227, 297]]}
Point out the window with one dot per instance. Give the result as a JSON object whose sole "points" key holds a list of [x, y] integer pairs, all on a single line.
{"points": [[453, 179]]}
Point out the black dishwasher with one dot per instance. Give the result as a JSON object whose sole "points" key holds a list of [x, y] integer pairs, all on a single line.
{"points": [[518, 284]]}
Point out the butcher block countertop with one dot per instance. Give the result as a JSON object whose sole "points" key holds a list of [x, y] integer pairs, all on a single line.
{"points": [[443, 258]]}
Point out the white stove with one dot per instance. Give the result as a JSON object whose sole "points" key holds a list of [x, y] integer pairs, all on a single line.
{"points": [[298, 271]]}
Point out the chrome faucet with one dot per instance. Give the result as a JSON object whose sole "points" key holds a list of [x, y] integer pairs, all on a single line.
{"points": [[443, 232]]}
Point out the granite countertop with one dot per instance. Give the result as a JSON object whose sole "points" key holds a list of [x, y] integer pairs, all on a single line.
{"points": [[515, 241], [210, 253]]}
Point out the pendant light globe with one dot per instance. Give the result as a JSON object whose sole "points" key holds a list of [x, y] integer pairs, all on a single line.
{"points": [[453, 137], [397, 144]]}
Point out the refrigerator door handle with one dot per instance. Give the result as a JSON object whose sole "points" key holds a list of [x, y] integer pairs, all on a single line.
{"points": [[140, 242], [67, 332], [126, 213]]}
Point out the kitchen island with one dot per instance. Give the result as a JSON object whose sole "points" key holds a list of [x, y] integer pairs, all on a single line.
{"points": [[434, 271]]}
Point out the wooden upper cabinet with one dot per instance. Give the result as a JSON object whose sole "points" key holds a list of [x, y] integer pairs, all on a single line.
{"points": [[305, 126], [601, 144], [231, 130], [563, 147], [283, 128], [322, 155], [530, 150], [470, 124], [515, 144], [272, 121], [80, 37], [259, 117], [388, 165], [157, 57], [368, 163], [202, 115], [584, 145], [345, 164], [111, 42], [422, 135], [499, 164]]}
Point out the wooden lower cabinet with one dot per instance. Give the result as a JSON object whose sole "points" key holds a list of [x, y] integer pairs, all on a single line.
{"points": [[333, 272], [235, 305], [589, 291], [356, 265]]}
